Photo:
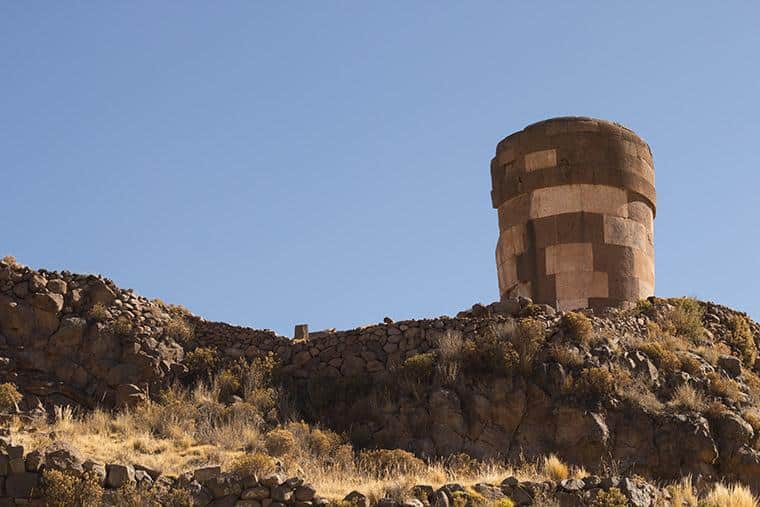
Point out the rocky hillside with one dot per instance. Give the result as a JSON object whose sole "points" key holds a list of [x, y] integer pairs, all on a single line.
{"points": [[662, 390]]}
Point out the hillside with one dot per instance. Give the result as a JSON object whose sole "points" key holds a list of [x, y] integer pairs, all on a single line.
{"points": [[131, 400]]}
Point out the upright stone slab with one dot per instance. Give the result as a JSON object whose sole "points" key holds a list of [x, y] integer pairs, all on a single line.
{"points": [[576, 205]]}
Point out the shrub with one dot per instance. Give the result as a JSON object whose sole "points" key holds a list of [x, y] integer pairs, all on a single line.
{"points": [[577, 327], [752, 416], [662, 356], [488, 358], [280, 442], [122, 327], [257, 464], [567, 355], [179, 330], [686, 318], [610, 498], [10, 260], [418, 367], [227, 383], [98, 312], [449, 355], [527, 339], [386, 463], [60, 489], [741, 339], [735, 495], [724, 387], [555, 469], [200, 361], [9, 396], [688, 398], [595, 384]]}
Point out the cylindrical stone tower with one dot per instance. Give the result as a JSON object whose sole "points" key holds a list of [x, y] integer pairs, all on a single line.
{"points": [[576, 204]]}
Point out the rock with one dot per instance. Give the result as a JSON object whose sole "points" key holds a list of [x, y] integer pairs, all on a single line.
{"points": [[305, 493], [411, 502], [57, 286], [64, 457], [271, 481], [572, 485], [255, 493], [128, 395], [97, 469], [357, 499], [47, 302], [282, 494], [439, 499], [118, 475], [731, 365], [69, 335], [640, 494], [207, 473], [23, 485], [223, 486]]}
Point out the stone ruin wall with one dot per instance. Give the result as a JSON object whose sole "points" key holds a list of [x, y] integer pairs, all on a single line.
{"points": [[576, 203]]}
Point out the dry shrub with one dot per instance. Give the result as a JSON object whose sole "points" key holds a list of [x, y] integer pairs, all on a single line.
{"points": [[567, 355], [416, 372], [449, 355], [752, 416], [735, 495], [595, 384], [687, 398], [122, 327], [527, 340], [487, 358], [690, 364], [709, 354], [201, 361], [280, 442], [577, 327], [10, 260], [724, 387], [685, 318], [98, 312], [741, 339], [9, 396], [257, 464], [662, 356], [60, 489], [555, 469], [227, 384], [610, 498], [179, 329], [385, 463]]}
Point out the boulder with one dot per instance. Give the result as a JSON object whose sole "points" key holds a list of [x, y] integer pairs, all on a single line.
{"points": [[118, 475]]}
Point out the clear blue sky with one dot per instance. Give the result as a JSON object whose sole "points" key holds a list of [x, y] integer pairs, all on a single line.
{"points": [[270, 163]]}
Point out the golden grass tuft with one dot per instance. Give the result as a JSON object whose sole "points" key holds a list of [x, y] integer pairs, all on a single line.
{"points": [[555, 469], [687, 398], [734, 495]]}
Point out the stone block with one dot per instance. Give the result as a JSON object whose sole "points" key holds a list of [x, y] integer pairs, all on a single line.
{"points": [[23, 485], [118, 475]]}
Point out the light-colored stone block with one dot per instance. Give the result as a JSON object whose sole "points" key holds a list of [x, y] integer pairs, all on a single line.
{"points": [[507, 273], [569, 257], [565, 305], [625, 232], [575, 285], [604, 199], [540, 159], [549, 201]]}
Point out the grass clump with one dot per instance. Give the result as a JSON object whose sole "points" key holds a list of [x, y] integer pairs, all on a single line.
{"points": [[724, 387], [200, 362], [741, 339], [122, 327], [384, 463], [60, 489], [735, 495], [577, 327], [555, 469], [418, 367], [9, 396], [527, 340], [489, 357], [662, 356], [257, 464], [686, 318], [687, 398], [98, 313]]}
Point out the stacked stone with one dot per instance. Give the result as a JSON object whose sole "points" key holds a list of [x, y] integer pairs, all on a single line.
{"points": [[576, 204]]}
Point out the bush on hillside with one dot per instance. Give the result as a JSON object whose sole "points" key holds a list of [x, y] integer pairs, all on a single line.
{"points": [[387, 463], [741, 339], [9, 396], [577, 327]]}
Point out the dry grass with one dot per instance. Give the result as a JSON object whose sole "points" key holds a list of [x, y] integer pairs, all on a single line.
{"points": [[555, 469], [735, 495], [687, 398], [577, 327], [724, 387], [682, 493]]}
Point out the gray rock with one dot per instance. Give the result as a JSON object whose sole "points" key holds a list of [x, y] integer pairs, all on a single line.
{"points": [[118, 475]]}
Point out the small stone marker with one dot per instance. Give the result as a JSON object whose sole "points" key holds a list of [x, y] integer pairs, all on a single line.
{"points": [[301, 332]]}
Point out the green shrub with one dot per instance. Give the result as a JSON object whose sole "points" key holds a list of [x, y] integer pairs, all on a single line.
{"points": [[686, 318], [280, 442], [577, 327], [228, 384], [490, 357], [98, 312], [387, 463], [9, 396], [741, 339], [60, 489]]}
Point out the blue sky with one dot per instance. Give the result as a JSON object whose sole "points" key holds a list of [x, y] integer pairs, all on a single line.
{"points": [[271, 163]]}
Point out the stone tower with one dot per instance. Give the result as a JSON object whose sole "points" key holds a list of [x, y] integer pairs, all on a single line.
{"points": [[576, 204]]}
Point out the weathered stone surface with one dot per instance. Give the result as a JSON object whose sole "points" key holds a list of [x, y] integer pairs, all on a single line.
{"points": [[118, 475]]}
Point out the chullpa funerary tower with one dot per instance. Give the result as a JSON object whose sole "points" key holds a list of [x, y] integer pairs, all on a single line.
{"points": [[576, 204]]}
